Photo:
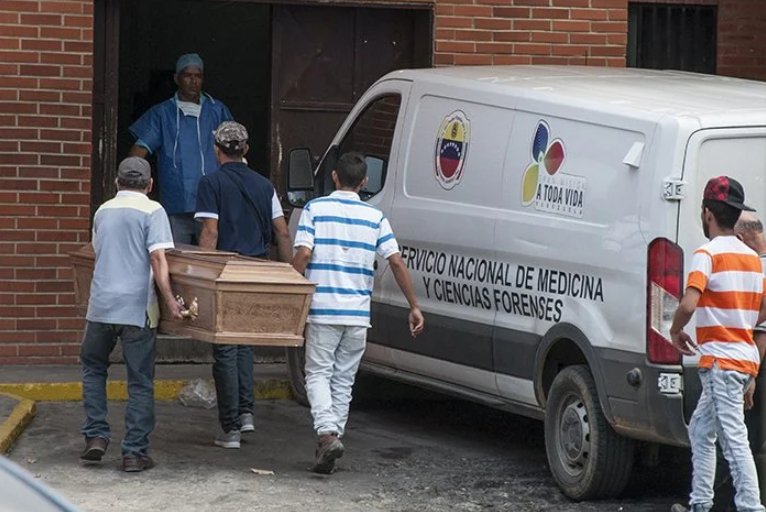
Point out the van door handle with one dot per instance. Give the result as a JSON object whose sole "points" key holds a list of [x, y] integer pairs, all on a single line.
{"points": [[375, 265]]}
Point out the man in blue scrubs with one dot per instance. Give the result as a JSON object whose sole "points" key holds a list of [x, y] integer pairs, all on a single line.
{"points": [[179, 130]]}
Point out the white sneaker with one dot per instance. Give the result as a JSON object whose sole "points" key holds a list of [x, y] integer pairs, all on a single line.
{"points": [[246, 423], [230, 439]]}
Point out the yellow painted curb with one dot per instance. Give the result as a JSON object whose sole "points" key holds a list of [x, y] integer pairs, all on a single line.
{"points": [[164, 390], [11, 429]]}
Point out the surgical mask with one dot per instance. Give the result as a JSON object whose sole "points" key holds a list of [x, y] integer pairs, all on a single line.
{"points": [[189, 108]]}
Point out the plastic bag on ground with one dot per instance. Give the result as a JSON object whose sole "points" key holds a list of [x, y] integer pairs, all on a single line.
{"points": [[198, 393]]}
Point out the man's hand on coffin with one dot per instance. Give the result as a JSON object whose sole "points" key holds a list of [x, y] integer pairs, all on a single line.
{"points": [[174, 308]]}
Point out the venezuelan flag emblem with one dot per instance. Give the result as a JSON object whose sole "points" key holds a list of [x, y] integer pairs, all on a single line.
{"points": [[452, 149]]}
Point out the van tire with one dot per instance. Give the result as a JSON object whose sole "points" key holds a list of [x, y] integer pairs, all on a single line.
{"points": [[296, 364], [588, 459]]}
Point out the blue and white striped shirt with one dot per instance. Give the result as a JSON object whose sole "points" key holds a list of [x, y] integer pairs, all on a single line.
{"points": [[344, 234]]}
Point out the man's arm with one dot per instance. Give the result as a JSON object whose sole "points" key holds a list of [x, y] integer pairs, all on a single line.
{"points": [[284, 242], [208, 239], [301, 259], [136, 150], [681, 340], [402, 277], [162, 278]]}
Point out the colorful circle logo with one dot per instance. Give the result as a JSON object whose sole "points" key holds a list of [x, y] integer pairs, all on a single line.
{"points": [[545, 156], [452, 149]]}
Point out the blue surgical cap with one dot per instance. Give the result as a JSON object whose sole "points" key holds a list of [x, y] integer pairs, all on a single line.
{"points": [[189, 59]]}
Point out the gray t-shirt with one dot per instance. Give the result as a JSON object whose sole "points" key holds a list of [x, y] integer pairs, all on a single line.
{"points": [[762, 327], [126, 230]]}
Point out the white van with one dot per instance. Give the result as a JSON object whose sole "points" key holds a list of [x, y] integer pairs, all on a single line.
{"points": [[547, 215]]}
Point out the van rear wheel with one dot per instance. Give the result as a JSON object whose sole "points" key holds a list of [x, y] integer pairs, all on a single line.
{"points": [[588, 459], [296, 364]]}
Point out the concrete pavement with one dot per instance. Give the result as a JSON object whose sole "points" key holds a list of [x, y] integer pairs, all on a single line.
{"points": [[402, 455]]}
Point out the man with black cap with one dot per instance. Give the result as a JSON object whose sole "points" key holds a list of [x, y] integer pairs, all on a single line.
{"points": [[130, 235], [726, 289], [239, 210], [178, 131]]}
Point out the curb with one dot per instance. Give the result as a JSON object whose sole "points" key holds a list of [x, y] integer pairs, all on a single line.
{"points": [[12, 428], [164, 390]]}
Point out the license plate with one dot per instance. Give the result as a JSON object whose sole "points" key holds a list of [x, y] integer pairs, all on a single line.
{"points": [[669, 383]]}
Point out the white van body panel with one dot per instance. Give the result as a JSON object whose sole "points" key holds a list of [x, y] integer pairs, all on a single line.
{"points": [[627, 135]]}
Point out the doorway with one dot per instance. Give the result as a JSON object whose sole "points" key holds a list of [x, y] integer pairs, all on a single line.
{"points": [[290, 73]]}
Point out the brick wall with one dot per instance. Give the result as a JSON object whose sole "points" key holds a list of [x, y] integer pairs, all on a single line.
{"points": [[45, 118], [742, 38], [588, 32]]}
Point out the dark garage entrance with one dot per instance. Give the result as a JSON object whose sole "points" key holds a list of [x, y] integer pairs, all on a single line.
{"points": [[290, 73]]}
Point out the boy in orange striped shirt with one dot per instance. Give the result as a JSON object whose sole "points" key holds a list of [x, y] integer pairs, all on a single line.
{"points": [[726, 290]]}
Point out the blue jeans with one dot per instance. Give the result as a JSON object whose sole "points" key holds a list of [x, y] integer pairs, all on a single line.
{"points": [[720, 416], [333, 355], [233, 374], [138, 350], [185, 229]]}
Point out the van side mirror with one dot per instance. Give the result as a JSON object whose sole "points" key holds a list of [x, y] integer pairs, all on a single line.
{"points": [[300, 171], [376, 175]]}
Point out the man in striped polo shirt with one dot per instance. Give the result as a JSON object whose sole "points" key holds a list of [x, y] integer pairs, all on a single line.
{"points": [[726, 289], [338, 237]]}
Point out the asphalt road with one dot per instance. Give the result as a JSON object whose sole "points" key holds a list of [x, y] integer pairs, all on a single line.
{"points": [[402, 455]]}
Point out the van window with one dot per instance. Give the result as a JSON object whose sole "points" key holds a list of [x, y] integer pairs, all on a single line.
{"points": [[372, 135]]}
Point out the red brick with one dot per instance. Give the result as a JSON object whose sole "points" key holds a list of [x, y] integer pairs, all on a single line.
{"points": [[71, 323], [75, 199], [40, 70], [512, 12], [19, 31], [57, 211], [494, 48], [618, 14], [21, 159], [571, 26], [8, 350], [19, 6], [35, 223], [76, 174], [19, 184], [563, 49], [492, 24], [512, 36], [444, 59], [533, 49], [59, 84], [588, 14], [31, 324], [473, 35], [474, 11], [78, 72], [39, 198], [19, 312], [454, 47], [511, 60], [531, 25], [571, 3], [608, 51], [40, 96], [41, 19], [62, 135], [553, 14], [78, 47], [550, 37], [42, 122], [17, 134], [78, 21], [9, 44], [443, 34], [56, 337], [74, 224], [8, 95], [451, 21], [18, 82], [609, 4], [59, 109], [41, 45], [18, 108], [10, 18], [620, 39], [62, 186], [63, 7], [473, 60], [60, 58], [535, 3], [52, 287], [39, 350], [587, 38], [444, 10], [609, 26], [71, 34], [7, 57]]}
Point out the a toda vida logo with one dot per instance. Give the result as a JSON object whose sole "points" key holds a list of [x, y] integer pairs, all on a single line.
{"points": [[452, 149], [544, 185]]}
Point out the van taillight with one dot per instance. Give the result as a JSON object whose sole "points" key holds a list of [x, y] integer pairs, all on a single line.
{"points": [[665, 270]]}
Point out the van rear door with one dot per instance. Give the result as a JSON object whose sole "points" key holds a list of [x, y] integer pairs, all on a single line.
{"points": [[736, 152]]}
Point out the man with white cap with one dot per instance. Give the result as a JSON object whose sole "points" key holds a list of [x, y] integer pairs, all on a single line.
{"points": [[130, 235], [178, 131]]}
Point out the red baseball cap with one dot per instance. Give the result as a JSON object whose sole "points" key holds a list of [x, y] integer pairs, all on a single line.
{"points": [[726, 190]]}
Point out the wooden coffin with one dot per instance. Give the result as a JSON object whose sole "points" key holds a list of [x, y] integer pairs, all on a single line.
{"points": [[238, 299]]}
